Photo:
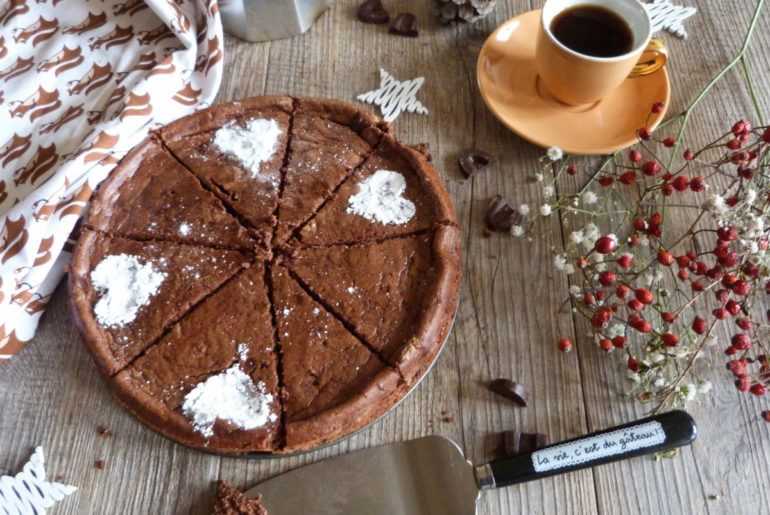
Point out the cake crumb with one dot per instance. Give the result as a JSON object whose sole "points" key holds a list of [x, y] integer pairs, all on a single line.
{"points": [[103, 431], [100, 464]]}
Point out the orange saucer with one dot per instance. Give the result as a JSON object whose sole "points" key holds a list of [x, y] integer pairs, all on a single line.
{"points": [[511, 89]]}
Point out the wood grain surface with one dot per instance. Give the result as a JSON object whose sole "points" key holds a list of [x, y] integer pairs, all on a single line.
{"points": [[506, 326]]}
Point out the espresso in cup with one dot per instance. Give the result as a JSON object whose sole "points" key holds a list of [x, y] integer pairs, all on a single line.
{"points": [[587, 48], [593, 30]]}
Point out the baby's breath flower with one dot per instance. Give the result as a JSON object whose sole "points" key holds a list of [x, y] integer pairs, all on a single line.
{"points": [[589, 197], [576, 237], [524, 209], [545, 210], [517, 230], [539, 177], [548, 191], [555, 153]]}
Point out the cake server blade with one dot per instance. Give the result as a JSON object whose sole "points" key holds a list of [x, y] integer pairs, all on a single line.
{"points": [[430, 475]]}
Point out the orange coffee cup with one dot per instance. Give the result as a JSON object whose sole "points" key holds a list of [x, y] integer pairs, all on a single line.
{"points": [[575, 78]]}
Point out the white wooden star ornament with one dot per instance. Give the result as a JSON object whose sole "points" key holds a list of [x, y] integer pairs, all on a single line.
{"points": [[394, 96], [28, 492], [665, 15]]}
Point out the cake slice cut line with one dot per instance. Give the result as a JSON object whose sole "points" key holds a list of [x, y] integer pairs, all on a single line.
{"points": [[344, 322], [167, 327], [223, 196], [250, 251], [294, 235], [277, 353], [369, 241], [284, 165]]}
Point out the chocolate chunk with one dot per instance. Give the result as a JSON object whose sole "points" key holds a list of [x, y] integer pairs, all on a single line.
{"points": [[501, 216], [515, 442], [424, 149], [405, 24], [510, 390], [372, 11], [473, 161]]}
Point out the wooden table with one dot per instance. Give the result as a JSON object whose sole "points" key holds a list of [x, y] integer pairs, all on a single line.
{"points": [[52, 395]]}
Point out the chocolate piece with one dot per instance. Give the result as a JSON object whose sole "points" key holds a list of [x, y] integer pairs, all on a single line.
{"points": [[501, 216], [230, 501], [516, 442], [473, 161], [372, 11], [510, 390], [405, 24]]}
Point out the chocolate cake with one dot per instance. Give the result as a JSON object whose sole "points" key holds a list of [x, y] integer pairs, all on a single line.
{"points": [[230, 501], [267, 275]]}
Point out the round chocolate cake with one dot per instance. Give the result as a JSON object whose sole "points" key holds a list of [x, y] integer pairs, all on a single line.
{"points": [[267, 275]]}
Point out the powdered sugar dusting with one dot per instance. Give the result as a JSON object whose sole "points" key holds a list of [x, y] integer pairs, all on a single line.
{"points": [[184, 229], [230, 396], [380, 199], [252, 145], [124, 285], [243, 351]]}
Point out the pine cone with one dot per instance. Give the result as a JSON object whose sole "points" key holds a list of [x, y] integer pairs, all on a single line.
{"points": [[453, 11]]}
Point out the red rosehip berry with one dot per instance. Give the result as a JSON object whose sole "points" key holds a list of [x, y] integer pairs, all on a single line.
{"points": [[588, 298], [606, 181], [644, 133], [619, 342], [728, 280], [665, 258], [720, 313], [635, 156], [670, 340], [697, 184], [658, 107], [699, 268], [572, 170], [745, 324], [767, 284], [746, 172], [766, 413], [667, 190], [743, 383], [605, 344], [651, 168], [682, 274], [741, 341], [733, 144], [635, 305], [766, 136], [714, 273], [639, 224], [733, 307], [721, 250], [624, 261], [689, 155], [581, 263], [622, 291], [741, 287], [633, 363], [565, 345], [644, 296], [758, 390], [738, 127], [682, 261], [681, 183], [607, 278], [667, 176], [737, 367], [669, 142], [628, 178], [727, 233], [751, 270], [721, 295], [605, 245], [731, 201], [696, 286], [730, 260], [667, 317], [600, 295], [643, 327], [699, 325]]}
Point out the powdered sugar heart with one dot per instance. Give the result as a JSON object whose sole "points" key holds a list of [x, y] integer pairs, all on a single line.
{"points": [[251, 146], [124, 285], [380, 199]]}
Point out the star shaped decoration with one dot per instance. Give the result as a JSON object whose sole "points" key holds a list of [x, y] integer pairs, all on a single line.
{"points": [[665, 15], [28, 492], [394, 96]]}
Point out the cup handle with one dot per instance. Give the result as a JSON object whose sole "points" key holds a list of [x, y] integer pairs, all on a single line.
{"points": [[652, 59]]}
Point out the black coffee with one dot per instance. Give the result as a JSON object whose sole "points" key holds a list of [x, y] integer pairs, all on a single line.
{"points": [[592, 30]]}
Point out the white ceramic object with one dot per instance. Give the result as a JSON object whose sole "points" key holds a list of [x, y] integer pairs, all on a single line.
{"points": [[263, 20]]}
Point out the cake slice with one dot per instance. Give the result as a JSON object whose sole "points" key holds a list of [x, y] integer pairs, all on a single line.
{"points": [[329, 139], [230, 501], [125, 293], [398, 295], [395, 192], [237, 150], [151, 196], [332, 383], [211, 381]]}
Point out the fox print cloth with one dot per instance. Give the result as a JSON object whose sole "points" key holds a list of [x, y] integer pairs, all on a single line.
{"points": [[81, 82]]}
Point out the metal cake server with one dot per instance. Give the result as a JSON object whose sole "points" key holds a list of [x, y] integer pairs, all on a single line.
{"points": [[430, 475]]}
